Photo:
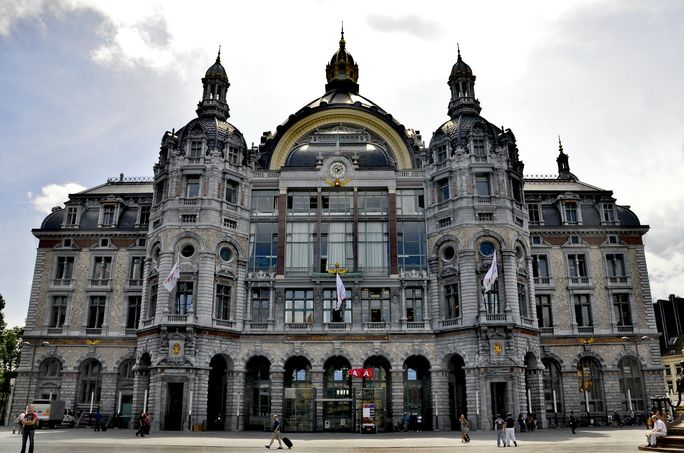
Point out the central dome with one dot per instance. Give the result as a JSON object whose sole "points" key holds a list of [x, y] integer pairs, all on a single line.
{"points": [[342, 73]]}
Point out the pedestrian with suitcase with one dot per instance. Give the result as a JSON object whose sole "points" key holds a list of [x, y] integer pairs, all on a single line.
{"points": [[276, 433]]}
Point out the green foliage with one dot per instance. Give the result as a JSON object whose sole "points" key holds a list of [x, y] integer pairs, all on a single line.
{"points": [[10, 347]]}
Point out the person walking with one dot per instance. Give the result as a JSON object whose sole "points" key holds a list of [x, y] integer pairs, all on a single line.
{"points": [[499, 424], [465, 429], [276, 433], [141, 425], [29, 422], [510, 430], [98, 420], [573, 422]]}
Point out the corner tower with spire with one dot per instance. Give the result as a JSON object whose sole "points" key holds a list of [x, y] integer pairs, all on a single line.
{"points": [[342, 73], [462, 84], [215, 83]]}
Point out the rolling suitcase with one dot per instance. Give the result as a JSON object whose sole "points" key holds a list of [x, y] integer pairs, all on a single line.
{"points": [[287, 442]]}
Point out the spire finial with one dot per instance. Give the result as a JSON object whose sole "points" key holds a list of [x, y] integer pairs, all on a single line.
{"points": [[218, 57], [459, 50], [342, 29], [560, 145]]}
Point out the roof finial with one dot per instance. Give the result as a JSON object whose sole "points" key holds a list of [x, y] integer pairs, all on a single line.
{"points": [[342, 29], [459, 50], [560, 145], [218, 57]]}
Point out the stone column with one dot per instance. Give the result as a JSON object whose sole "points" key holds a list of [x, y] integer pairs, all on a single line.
{"points": [[509, 283], [199, 384], [108, 397], [439, 379], [397, 392], [317, 383], [277, 391], [204, 293], [235, 400]]}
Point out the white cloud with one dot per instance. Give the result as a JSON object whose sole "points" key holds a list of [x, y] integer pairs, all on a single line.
{"points": [[53, 195]]}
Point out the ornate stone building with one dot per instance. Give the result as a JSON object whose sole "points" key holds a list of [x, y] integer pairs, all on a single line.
{"points": [[252, 325]]}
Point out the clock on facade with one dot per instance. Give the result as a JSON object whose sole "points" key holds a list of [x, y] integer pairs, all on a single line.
{"points": [[337, 169]]}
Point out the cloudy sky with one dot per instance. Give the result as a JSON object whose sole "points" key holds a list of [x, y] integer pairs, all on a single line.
{"points": [[87, 88]]}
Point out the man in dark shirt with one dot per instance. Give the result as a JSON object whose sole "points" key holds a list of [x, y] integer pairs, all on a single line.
{"points": [[276, 433], [510, 430], [29, 422]]}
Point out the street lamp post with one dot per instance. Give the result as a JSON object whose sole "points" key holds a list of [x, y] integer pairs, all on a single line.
{"points": [[636, 341], [33, 347]]}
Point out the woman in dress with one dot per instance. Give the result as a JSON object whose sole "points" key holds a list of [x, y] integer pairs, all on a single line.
{"points": [[465, 429]]}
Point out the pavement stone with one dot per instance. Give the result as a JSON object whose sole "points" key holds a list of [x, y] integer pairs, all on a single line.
{"points": [[81, 440]]}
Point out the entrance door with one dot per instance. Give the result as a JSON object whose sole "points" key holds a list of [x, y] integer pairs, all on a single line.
{"points": [[174, 407], [498, 390], [126, 410]]}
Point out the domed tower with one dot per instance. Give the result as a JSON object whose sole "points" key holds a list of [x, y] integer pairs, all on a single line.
{"points": [[342, 72], [199, 225], [479, 239]]}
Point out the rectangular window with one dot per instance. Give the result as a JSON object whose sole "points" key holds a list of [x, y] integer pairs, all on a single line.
{"points": [[102, 269], [58, 311], [232, 189], [375, 304], [482, 188], [623, 312], [577, 265], [71, 216], [152, 311], [583, 310], [299, 306], [264, 202], [534, 213], [195, 148], [261, 299], [608, 213], [159, 190], [616, 264], [337, 246], [544, 313], [299, 242], [96, 312], [442, 187], [108, 215], [135, 273], [522, 300], [144, 215], [337, 203], [441, 154], [452, 301], [183, 298], [192, 186], [372, 203], [302, 203], [410, 202], [133, 316], [570, 212], [411, 244], [233, 156], [373, 246], [64, 271], [222, 302], [414, 304], [540, 269], [263, 247], [479, 146], [344, 314]]}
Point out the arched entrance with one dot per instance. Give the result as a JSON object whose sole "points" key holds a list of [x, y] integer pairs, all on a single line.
{"points": [[458, 403], [590, 380], [417, 392], [216, 393], [257, 393], [337, 398], [298, 409], [377, 392], [553, 389], [631, 385]]}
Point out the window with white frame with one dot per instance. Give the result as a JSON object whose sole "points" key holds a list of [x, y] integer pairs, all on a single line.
{"points": [[109, 215], [261, 300], [102, 270], [540, 268], [195, 148], [71, 216], [375, 304], [577, 266], [608, 212], [570, 211], [192, 186], [233, 156], [534, 212], [615, 263], [337, 245], [373, 246], [184, 296], [64, 271], [96, 311], [414, 304], [299, 306], [135, 272], [330, 313], [299, 242]]}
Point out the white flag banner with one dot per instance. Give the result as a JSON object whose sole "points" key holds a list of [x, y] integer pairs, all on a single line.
{"points": [[491, 275], [174, 275], [341, 292]]}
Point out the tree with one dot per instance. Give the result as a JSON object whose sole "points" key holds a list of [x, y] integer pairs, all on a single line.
{"points": [[2, 315], [10, 348]]}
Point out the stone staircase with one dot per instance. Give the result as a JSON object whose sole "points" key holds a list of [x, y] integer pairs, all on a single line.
{"points": [[674, 441]]}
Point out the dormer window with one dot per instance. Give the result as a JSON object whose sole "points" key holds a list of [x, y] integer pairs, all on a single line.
{"points": [[441, 154], [144, 218], [195, 149], [570, 211], [71, 220], [534, 211], [108, 216], [233, 156], [608, 213], [479, 146]]}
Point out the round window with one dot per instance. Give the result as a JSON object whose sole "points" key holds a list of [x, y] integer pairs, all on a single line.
{"points": [[225, 254], [448, 253], [487, 248], [519, 253], [188, 250]]}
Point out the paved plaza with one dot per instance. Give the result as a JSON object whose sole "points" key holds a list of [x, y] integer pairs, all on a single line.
{"points": [[596, 440]]}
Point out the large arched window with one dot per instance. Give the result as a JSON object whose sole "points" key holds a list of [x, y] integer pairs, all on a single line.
{"points": [[299, 407], [590, 382], [258, 392], [631, 385], [90, 382], [553, 387], [51, 368], [417, 389]]}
